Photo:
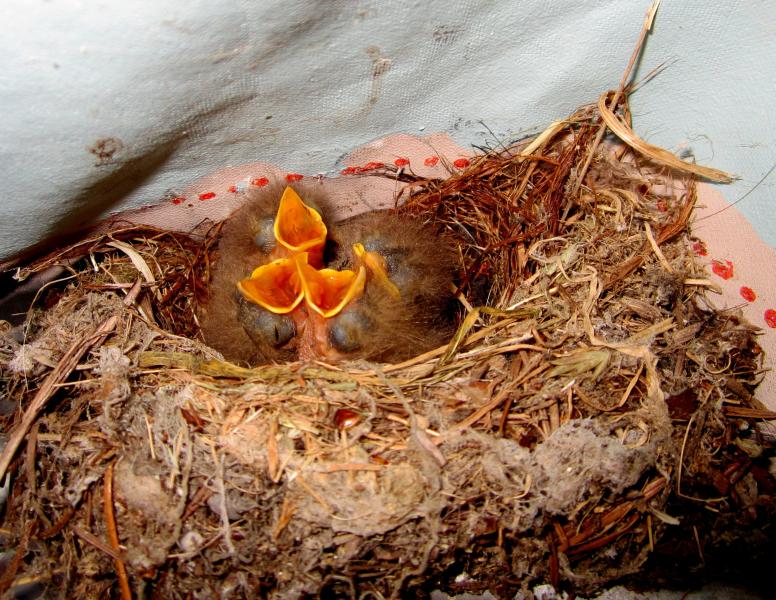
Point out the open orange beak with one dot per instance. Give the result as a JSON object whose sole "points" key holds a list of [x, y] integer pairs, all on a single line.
{"points": [[275, 286], [376, 265], [299, 227], [280, 285], [328, 291]]}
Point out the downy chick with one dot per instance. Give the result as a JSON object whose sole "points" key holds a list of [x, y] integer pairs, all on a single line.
{"points": [[407, 306], [242, 330]]}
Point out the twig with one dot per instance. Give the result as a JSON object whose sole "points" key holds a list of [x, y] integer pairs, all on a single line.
{"points": [[743, 412], [287, 511], [335, 467], [200, 497], [92, 539], [645, 28], [29, 463], [58, 525], [113, 534], [226, 527], [698, 544], [417, 433], [493, 404], [20, 551], [656, 249], [655, 153], [274, 469], [306, 487], [603, 541]]}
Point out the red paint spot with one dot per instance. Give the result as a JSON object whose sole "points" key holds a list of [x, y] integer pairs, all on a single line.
{"points": [[178, 200], [349, 170], [431, 161], [372, 165], [207, 195], [461, 163], [232, 189], [401, 162], [770, 318], [723, 269], [700, 248], [662, 206], [259, 181], [747, 294], [294, 177]]}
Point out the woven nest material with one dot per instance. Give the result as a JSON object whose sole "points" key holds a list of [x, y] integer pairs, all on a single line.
{"points": [[583, 422]]}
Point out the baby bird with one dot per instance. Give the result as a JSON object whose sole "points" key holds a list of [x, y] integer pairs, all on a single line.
{"points": [[241, 330], [407, 306]]}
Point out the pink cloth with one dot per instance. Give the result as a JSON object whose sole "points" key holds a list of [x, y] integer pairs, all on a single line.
{"points": [[744, 267]]}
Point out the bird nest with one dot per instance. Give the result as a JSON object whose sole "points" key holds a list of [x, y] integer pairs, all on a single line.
{"points": [[591, 419]]}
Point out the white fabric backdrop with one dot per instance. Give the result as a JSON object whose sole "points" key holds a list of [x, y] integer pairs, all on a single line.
{"points": [[170, 90]]}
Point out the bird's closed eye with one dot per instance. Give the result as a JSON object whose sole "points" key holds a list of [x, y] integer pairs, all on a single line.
{"points": [[264, 327], [264, 237], [349, 329]]}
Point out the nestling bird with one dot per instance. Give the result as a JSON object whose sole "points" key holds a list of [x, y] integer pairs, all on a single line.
{"points": [[285, 285], [242, 330], [407, 306]]}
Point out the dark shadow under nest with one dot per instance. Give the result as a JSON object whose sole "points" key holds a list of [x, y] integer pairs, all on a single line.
{"points": [[594, 421]]}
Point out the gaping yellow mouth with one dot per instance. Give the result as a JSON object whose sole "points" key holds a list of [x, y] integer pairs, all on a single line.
{"points": [[299, 227], [280, 285], [275, 286], [377, 266], [328, 291]]}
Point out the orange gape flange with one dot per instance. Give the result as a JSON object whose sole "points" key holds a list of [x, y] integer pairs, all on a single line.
{"points": [[328, 291], [300, 228], [275, 286], [377, 266], [279, 286]]}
